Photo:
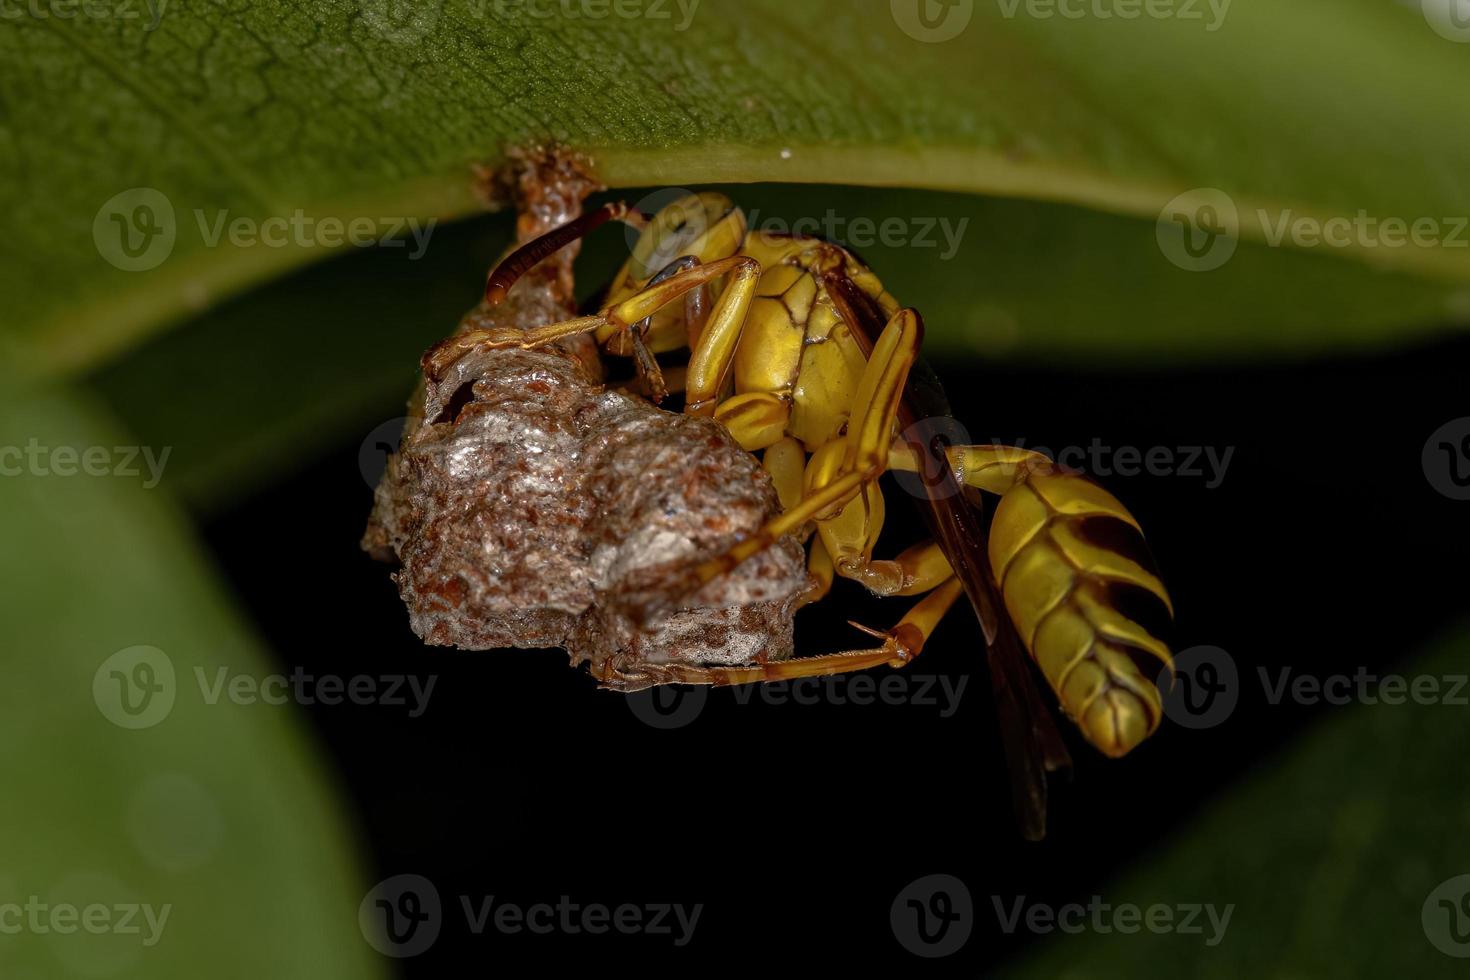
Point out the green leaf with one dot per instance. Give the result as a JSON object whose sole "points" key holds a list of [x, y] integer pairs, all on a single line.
{"points": [[357, 110], [323, 357], [1328, 853], [219, 813]]}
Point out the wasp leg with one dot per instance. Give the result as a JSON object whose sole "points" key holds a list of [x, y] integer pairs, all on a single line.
{"points": [[865, 455], [731, 305], [673, 378], [851, 534], [785, 460], [901, 644], [991, 468], [819, 566], [650, 375], [916, 570], [710, 360], [757, 419]]}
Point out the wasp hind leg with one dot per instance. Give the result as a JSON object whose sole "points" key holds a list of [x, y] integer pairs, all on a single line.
{"points": [[901, 644]]}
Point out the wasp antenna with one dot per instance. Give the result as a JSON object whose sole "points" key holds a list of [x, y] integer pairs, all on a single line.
{"points": [[523, 259]]}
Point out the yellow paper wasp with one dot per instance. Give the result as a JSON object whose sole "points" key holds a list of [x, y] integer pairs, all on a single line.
{"points": [[796, 348]]}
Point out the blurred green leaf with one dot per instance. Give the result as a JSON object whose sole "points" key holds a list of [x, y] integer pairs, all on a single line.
{"points": [[218, 816], [1328, 853], [377, 110], [322, 357]]}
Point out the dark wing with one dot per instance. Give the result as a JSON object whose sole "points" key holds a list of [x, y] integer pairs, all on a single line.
{"points": [[1033, 743]]}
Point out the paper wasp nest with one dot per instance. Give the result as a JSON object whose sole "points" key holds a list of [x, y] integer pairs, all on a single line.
{"points": [[529, 507]]}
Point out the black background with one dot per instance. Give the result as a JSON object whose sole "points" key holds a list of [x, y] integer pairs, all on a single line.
{"points": [[796, 825]]}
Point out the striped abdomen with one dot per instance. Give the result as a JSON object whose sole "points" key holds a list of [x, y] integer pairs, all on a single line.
{"points": [[1081, 587]]}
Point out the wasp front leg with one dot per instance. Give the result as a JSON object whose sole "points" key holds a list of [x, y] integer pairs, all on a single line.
{"points": [[726, 316]]}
